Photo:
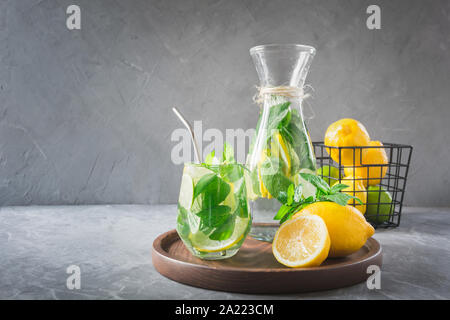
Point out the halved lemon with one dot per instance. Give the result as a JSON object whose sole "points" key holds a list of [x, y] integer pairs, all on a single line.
{"points": [[302, 242], [202, 242]]}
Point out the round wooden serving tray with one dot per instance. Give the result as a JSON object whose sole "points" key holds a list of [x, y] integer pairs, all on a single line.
{"points": [[254, 269]]}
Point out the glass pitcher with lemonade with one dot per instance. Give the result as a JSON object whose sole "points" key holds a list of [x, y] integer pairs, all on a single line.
{"points": [[282, 147]]}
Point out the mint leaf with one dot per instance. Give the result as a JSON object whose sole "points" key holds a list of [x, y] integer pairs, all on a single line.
{"points": [[338, 187], [288, 216], [282, 196], [213, 188], [224, 231], [340, 198], [210, 158], [281, 212], [182, 223], [228, 153], [271, 166], [276, 183], [297, 136], [357, 199], [242, 209], [203, 183], [227, 156], [279, 116], [298, 193], [231, 172], [213, 217], [290, 194], [316, 181]]}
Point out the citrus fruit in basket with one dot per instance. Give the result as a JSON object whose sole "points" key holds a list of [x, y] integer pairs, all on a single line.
{"points": [[328, 173], [302, 242], [346, 133], [356, 189], [347, 227], [379, 205], [372, 156]]}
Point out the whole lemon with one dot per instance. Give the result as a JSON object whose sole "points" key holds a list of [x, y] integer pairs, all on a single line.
{"points": [[372, 175], [356, 189], [346, 133], [347, 227]]}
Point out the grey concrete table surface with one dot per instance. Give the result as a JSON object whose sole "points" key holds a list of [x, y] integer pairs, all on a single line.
{"points": [[112, 246]]}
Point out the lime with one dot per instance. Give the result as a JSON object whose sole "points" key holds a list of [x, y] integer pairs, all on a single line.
{"points": [[375, 212], [186, 192], [202, 242], [328, 173]]}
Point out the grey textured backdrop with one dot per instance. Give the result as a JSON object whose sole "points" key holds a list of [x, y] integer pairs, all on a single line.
{"points": [[85, 118]]}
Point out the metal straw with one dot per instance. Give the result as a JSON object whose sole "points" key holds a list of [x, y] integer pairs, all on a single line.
{"points": [[188, 126]]}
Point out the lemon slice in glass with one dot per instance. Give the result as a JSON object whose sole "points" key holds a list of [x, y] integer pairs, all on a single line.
{"points": [[202, 242], [186, 192], [230, 200], [280, 150]]}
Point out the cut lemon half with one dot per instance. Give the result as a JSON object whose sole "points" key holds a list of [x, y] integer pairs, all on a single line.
{"points": [[202, 242], [186, 192], [302, 242]]}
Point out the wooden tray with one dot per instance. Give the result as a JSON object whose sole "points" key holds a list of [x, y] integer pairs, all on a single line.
{"points": [[254, 269]]}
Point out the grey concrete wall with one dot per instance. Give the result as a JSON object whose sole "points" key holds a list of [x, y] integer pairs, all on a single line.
{"points": [[85, 115]]}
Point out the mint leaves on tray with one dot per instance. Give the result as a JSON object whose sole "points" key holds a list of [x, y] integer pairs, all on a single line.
{"points": [[294, 200]]}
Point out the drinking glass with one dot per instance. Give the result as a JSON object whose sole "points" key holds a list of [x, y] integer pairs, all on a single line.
{"points": [[213, 210]]}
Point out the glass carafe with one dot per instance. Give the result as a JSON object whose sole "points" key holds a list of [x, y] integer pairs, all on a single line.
{"points": [[282, 147]]}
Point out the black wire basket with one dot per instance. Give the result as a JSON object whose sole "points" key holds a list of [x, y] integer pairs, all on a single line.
{"points": [[383, 199]]}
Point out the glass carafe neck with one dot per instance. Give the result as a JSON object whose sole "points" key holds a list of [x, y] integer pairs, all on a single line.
{"points": [[282, 65]]}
